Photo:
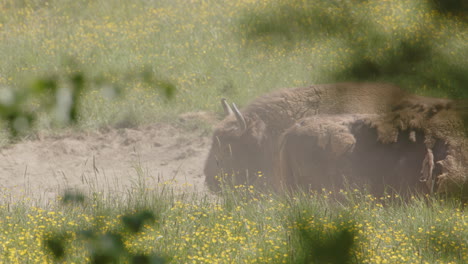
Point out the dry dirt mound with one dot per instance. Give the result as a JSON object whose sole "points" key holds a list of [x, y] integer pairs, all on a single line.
{"points": [[113, 159]]}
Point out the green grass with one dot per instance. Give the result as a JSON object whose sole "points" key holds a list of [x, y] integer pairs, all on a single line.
{"points": [[213, 49], [241, 228]]}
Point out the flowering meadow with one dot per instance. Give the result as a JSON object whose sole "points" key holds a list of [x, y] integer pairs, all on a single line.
{"points": [[241, 228], [211, 49], [239, 49]]}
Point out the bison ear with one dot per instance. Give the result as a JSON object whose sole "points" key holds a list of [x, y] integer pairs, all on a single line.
{"points": [[259, 131]]}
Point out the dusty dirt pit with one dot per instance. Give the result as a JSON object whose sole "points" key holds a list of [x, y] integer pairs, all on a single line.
{"points": [[108, 160]]}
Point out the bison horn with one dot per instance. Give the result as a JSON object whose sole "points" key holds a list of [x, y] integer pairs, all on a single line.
{"points": [[239, 117], [227, 108]]}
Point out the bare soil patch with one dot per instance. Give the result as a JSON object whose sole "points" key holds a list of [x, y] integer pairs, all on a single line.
{"points": [[112, 159]]}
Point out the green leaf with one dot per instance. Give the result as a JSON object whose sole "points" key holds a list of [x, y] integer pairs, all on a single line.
{"points": [[135, 222], [55, 246], [147, 259], [73, 197]]}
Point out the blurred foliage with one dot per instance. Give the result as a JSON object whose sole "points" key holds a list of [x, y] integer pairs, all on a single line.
{"points": [[73, 197], [60, 94], [55, 246], [134, 222], [167, 87], [319, 239], [451, 7], [335, 248], [402, 42], [104, 246]]}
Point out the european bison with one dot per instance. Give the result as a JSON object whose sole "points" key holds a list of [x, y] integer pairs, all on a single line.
{"points": [[418, 146], [246, 143]]}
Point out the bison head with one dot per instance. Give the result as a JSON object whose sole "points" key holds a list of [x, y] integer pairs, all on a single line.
{"points": [[239, 150]]}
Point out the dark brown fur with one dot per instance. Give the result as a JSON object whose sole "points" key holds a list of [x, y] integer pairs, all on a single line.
{"points": [[237, 157], [384, 152]]}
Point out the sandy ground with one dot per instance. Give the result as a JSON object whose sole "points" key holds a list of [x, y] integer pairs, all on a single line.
{"points": [[112, 159]]}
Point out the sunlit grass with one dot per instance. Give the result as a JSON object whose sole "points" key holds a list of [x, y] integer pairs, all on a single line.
{"points": [[240, 228], [201, 47]]}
